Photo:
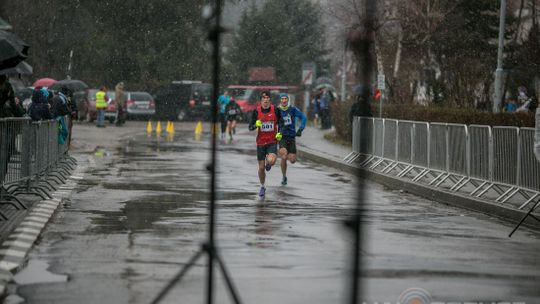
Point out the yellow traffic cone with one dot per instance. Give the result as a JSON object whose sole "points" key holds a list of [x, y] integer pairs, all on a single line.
{"points": [[158, 128], [149, 127], [198, 128], [171, 130], [168, 129]]}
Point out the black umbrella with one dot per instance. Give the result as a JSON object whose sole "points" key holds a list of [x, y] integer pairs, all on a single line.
{"points": [[323, 80], [12, 50], [21, 68], [73, 85]]}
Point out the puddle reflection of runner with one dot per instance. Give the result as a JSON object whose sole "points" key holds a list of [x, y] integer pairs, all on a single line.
{"points": [[264, 226]]}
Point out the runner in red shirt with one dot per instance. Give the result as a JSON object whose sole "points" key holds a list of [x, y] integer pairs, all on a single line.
{"points": [[267, 121]]}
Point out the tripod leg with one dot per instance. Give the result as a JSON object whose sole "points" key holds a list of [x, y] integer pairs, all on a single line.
{"points": [[178, 277], [523, 219], [228, 281]]}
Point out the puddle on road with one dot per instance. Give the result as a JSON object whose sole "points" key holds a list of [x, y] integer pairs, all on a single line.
{"points": [[36, 272]]}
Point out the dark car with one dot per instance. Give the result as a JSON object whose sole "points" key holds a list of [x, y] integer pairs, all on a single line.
{"points": [[184, 100]]}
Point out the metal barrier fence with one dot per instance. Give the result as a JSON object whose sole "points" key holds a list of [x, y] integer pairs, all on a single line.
{"points": [[30, 155], [492, 160]]}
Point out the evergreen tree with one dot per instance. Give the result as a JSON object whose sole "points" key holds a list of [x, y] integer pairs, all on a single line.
{"points": [[282, 34]]}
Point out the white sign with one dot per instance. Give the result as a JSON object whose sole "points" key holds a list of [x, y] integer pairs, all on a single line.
{"points": [[381, 84], [307, 77]]}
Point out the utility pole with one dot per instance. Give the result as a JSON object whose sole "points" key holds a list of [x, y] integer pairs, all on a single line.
{"points": [[499, 72], [69, 65]]}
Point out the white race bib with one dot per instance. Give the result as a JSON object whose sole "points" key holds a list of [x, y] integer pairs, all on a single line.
{"points": [[267, 126], [287, 120]]}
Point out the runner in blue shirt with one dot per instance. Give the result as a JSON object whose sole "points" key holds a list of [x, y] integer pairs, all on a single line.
{"points": [[223, 100], [287, 145]]}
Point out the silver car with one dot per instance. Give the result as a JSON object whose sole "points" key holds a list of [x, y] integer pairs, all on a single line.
{"points": [[140, 104]]}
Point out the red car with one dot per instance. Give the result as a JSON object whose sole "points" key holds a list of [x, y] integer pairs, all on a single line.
{"points": [[248, 96]]}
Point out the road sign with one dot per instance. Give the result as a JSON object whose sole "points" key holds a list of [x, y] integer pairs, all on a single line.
{"points": [[308, 73], [307, 77], [381, 84]]}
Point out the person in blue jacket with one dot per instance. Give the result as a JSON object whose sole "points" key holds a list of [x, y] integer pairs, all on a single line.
{"points": [[287, 144]]}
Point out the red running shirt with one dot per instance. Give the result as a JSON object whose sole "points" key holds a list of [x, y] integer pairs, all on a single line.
{"points": [[266, 134]]}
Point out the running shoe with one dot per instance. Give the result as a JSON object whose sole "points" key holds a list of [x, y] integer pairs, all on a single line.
{"points": [[284, 181], [267, 167], [262, 192]]}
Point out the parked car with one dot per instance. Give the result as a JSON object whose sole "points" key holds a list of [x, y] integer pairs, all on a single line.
{"points": [[184, 100], [140, 104], [86, 104]]}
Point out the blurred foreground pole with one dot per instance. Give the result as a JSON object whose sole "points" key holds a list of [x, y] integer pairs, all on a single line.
{"points": [[361, 40], [499, 72]]}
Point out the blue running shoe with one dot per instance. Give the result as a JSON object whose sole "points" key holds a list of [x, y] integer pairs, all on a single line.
{"points": [[262, 192], [267, 167], [284, 181]]}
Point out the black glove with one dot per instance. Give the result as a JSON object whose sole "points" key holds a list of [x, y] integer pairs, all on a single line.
{"points": [[299, 132]]}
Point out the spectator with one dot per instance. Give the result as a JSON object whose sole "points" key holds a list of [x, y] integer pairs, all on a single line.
{"points": [[9, 105], [101, 106], [60, 103], [510, 106], [360, 108], [39, 108], [324, 110], [316, 105], [120, 100]]}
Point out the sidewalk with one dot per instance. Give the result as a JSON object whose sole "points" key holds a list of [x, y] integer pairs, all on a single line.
{"points": [[314, 146]]}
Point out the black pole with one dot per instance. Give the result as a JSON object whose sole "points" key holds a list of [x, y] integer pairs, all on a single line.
{"points": [[361, 40], [215, 34]]}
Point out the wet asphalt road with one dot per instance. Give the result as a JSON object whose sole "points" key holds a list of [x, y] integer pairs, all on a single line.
{"points": [[140, 213]]}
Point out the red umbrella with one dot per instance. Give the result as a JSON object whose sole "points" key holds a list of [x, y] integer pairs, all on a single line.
{"points": [[44, 82]]}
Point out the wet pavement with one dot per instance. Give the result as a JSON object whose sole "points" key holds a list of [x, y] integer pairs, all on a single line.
{"points": [[141, 212]]}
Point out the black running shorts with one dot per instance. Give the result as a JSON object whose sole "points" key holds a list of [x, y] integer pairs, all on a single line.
{"points": [[288, 143], [262, 151]]}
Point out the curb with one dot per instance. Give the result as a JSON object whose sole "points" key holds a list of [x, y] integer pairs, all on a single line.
{"points": [[448, 198], [15, 248]]}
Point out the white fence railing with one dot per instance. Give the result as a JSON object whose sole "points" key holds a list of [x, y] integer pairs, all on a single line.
{"points": [[495, 163]]}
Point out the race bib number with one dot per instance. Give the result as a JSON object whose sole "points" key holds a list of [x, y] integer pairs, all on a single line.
{"points": [[267, 126], [287, 120], [232, 112]]}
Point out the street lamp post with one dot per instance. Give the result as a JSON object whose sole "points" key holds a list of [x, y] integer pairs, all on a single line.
{"points": [[499, 72]]}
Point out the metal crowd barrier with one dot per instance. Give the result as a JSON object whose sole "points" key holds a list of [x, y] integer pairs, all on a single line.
{"points": [[496, 163], [30, 158]]}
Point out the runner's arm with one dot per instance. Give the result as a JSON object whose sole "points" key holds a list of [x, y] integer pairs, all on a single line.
{"points": [[279, 119], [302, 117], [252, 120]]}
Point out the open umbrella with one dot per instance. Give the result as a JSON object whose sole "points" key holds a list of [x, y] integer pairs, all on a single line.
{"points": [[323, 80], [326, 86], [12, 50], [21, 68], [73, 85], [44, 82]]}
